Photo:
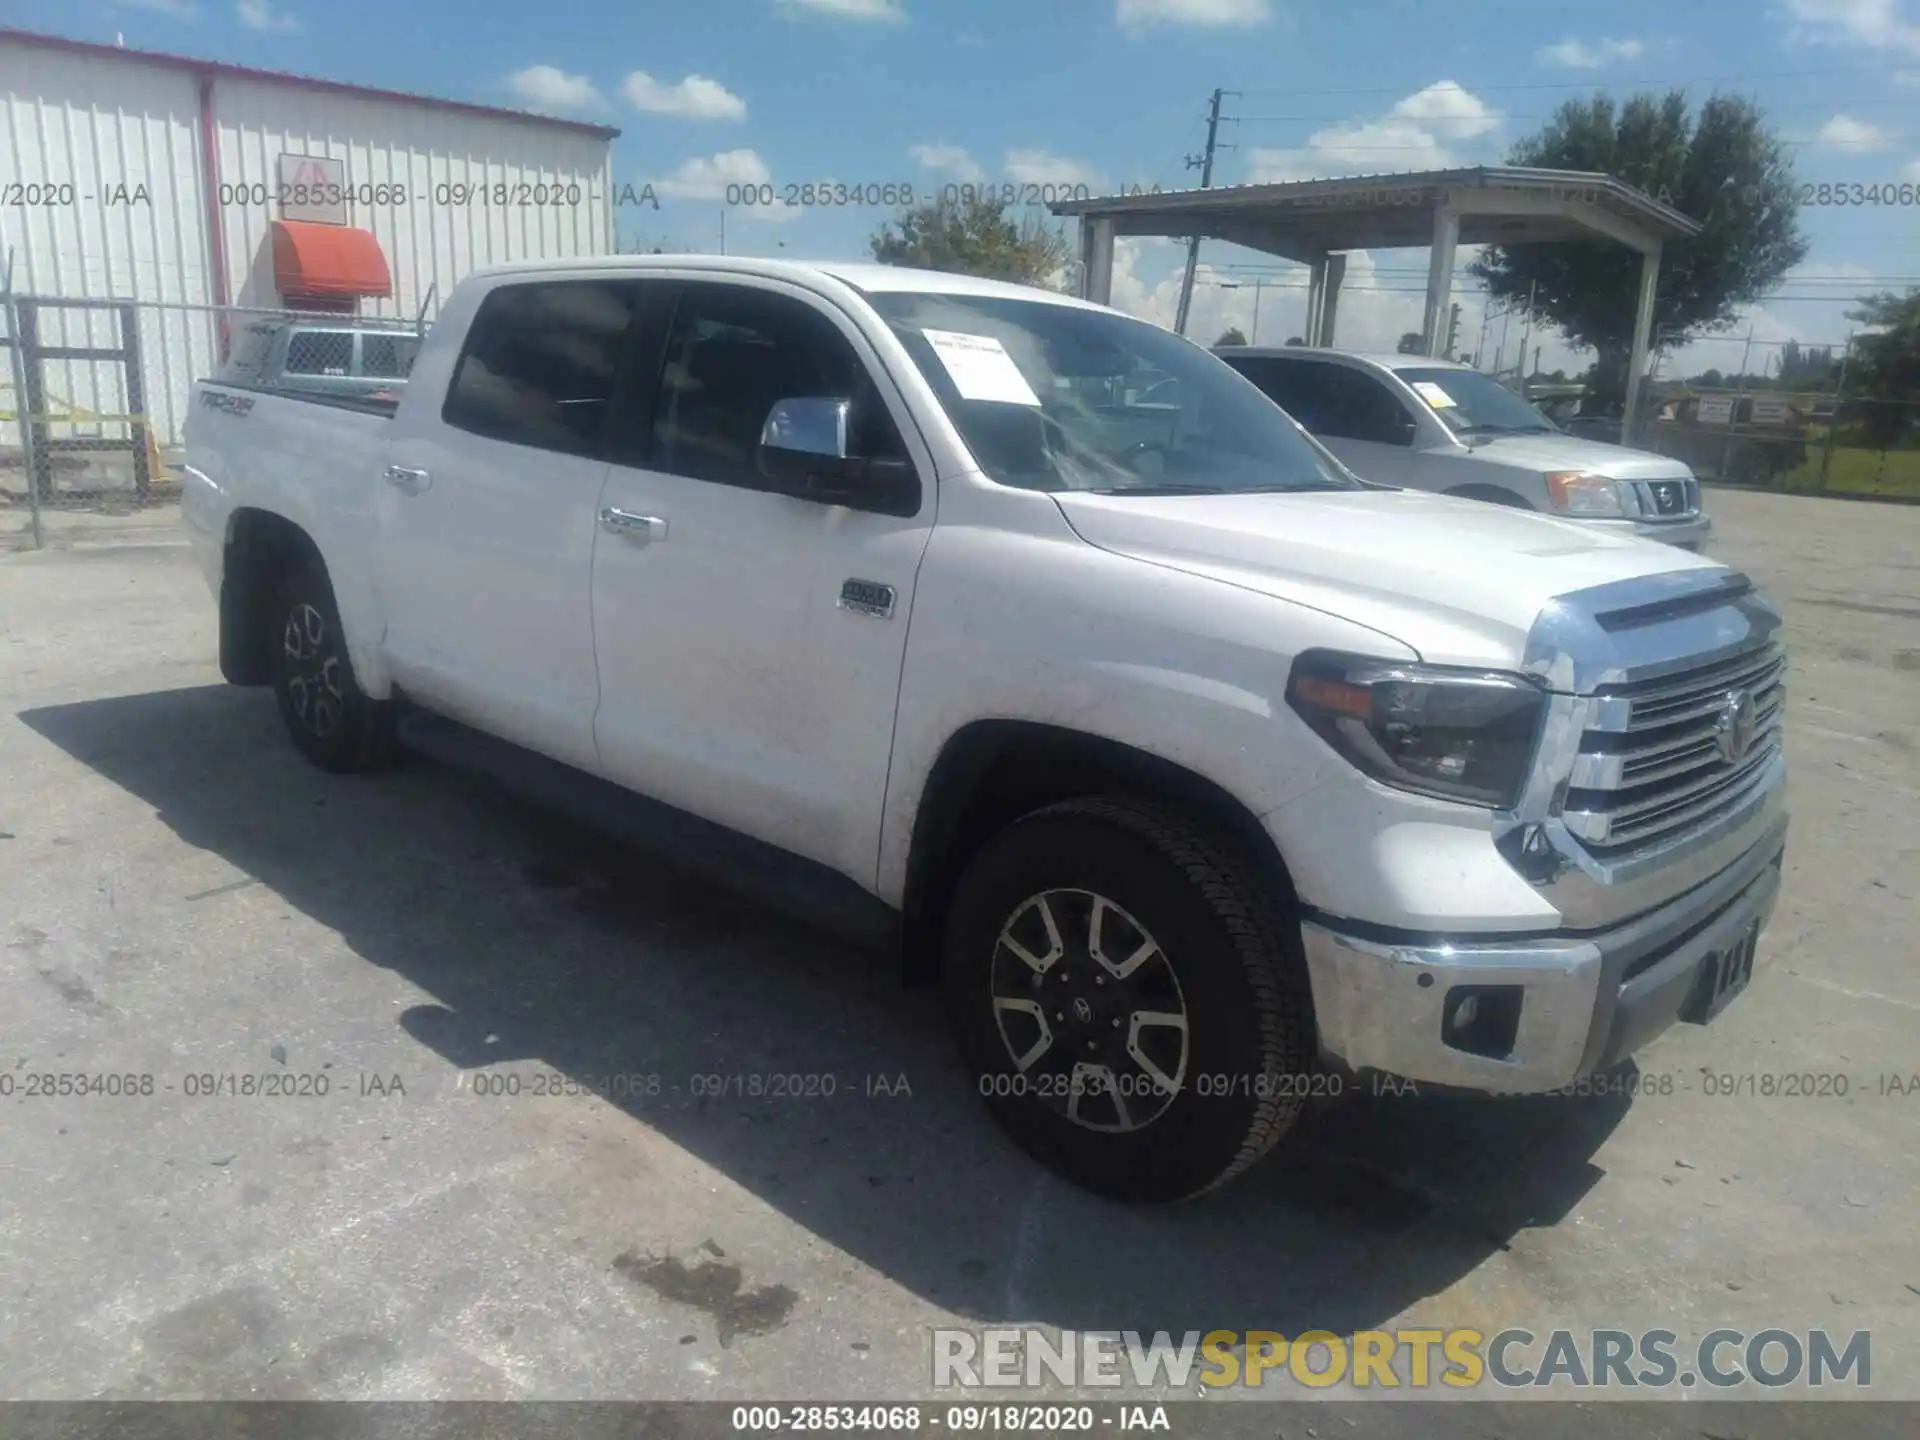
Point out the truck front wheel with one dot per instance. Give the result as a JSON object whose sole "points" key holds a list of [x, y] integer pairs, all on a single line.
{"points": [[333, 722], [1132, 1008]]}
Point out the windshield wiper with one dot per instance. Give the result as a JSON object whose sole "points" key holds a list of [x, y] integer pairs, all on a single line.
{"points": [[1158, 490], [1485, 428]]}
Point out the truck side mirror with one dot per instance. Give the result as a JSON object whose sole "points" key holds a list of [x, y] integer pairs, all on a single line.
{"points": [[803, 453]]}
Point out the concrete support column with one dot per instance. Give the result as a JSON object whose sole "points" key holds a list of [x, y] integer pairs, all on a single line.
{"points": [[1316, 287], [1642, 343], [1096, 260], [1336, 272], [1446, 238]]}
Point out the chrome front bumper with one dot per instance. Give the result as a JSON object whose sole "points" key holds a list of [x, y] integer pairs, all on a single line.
{"points": [[1689, 534], [1586, 1000]]}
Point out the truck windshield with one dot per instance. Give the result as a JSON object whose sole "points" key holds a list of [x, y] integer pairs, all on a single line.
{"points": [[1055, 397], [1469, 403]]}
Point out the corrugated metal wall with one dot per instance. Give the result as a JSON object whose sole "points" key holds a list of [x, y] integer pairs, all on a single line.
{"points": [[81, 137], [90, 130], [436, 237]]}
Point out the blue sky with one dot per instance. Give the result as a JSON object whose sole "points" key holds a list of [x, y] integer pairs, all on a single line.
{"points": [[1113, 92]]}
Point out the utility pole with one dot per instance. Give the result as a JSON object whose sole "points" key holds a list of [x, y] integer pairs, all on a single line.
{"points": [[1527, 338], [1453, 329], [1205, 165]]}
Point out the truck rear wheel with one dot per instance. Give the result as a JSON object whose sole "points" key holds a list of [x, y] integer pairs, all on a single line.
{"points": [[333, 722], [1131, 1007]]}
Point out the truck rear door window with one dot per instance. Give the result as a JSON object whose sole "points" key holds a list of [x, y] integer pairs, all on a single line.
{"points": [[539, 364]]}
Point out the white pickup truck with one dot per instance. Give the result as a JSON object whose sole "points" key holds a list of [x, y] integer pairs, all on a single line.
{"points": [[1201, 773]]}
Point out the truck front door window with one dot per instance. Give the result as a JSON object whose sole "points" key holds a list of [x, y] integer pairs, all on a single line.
{"points": [[733, 352], [540, 362], [1356, 406]]}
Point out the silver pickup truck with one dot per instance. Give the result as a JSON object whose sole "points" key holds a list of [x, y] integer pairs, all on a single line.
{"points": [[1425, 424]]}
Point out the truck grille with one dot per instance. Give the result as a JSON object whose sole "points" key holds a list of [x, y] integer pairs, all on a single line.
{"points": [[1669, 499], [1665, 757]]}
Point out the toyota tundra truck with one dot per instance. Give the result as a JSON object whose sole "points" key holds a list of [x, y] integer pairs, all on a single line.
{"points": [[1193, 767]]}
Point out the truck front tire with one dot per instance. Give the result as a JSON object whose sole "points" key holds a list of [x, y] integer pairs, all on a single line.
{"points": [[333, 722], [1132, 1009]]}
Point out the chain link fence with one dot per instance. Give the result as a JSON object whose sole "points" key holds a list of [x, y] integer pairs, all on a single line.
{"points": [[94, 394], [1782, 418]]}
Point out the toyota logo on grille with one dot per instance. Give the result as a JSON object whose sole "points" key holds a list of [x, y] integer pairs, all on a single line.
{"points": [[1733, 727]]}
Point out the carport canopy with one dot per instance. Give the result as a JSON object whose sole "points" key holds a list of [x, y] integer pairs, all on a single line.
{"points": [[1315, 222]]}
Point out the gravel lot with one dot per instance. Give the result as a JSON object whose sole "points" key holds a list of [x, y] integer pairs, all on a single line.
{"points": [[181, 897]]}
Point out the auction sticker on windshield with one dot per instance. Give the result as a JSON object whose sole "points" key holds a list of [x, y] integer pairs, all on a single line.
{"points": [[980, 367], [1433, 394]]}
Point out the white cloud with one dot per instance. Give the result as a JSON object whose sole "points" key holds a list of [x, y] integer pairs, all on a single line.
{"points": [[551, 88], [1843, 132], [262, 15], [1421, 132], [949, 159], [870, 11], [696, 97], [1451, 110], [1042, 167], [1572, 54], [709, 177], [706, 177], [1870, 24], [1912, 172], [173, 9], [1135, 16]]}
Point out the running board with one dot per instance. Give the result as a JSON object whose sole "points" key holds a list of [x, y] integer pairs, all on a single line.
{"points": [[802, 889]]}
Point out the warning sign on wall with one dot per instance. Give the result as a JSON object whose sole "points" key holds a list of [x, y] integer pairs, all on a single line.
{"points": [[313, 188]]}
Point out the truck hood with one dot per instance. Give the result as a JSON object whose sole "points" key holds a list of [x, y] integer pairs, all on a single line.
{"points": [[1570, 452], [1458, 581]]}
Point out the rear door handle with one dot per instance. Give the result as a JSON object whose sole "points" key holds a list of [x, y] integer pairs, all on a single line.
{"points": [[411, 481], [644, 529]]}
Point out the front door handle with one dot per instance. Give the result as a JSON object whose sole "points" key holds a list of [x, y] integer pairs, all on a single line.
{"points": [[645, 529], [411, 481]]}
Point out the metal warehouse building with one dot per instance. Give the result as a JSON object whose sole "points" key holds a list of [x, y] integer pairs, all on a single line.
{"points": [[192, 188]]}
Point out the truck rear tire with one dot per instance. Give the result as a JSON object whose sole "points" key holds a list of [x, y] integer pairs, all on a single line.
{"points": [[1132, 1008], [333, 722]]}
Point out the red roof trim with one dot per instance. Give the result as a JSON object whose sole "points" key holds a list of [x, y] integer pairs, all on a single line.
{"points": [[328, 260], [305, 82]]}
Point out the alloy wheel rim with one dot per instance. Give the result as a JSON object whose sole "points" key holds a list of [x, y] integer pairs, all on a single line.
{"points": [[313, 672], [1090, 1010]]}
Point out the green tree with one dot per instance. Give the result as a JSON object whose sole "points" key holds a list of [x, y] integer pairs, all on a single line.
{"points": [[1231, 336], [1412, 343], [1722, 167], [974, 237], [1884, 365]]}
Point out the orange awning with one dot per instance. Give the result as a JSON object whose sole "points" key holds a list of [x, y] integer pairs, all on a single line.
{"points": [[327, 260]]}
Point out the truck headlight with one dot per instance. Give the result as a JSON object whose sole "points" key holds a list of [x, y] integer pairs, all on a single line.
{"points": [[1465, 735], [1574, 492]]}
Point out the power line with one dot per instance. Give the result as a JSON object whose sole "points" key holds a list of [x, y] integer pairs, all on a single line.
{"points": [[1812, 105], [1592, 84]]}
